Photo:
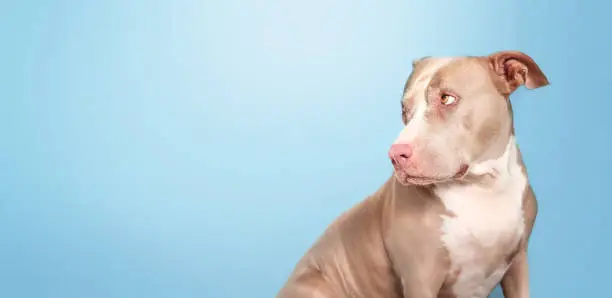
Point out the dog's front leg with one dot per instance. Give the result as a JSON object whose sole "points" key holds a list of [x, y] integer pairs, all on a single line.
{"points": [[412, 239], [419, 287], [419, 265], [515, 283]]}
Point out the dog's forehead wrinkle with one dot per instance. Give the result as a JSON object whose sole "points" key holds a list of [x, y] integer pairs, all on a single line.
{"points": [[421, 77]]}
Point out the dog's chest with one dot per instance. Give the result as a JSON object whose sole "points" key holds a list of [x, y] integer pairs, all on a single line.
{"points": [[482, 228]]}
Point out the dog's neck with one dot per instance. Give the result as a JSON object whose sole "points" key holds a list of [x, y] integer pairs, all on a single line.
{"points": [[493, 175]]}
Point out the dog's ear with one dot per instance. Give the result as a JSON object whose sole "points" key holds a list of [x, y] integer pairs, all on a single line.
{"points": [[516, 68], [416, 62]]}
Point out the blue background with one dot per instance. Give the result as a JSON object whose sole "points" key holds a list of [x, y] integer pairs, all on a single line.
{"points": [[198, 148]]}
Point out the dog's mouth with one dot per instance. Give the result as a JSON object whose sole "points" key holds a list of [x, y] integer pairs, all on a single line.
{"points": [[408, 179]]}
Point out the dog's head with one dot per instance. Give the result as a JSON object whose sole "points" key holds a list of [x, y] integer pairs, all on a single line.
{"points": [[457, 113]]}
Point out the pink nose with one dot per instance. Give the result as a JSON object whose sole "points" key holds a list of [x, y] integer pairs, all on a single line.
{"points": [[400, 154]]}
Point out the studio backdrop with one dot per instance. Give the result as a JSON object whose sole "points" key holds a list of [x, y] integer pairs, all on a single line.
{"points": [[198, 148]]}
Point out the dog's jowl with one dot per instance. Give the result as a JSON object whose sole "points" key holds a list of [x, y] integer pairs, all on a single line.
{"points": [[455, 217]]}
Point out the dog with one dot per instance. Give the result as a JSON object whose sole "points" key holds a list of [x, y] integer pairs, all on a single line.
{"points": [[455, 218]]}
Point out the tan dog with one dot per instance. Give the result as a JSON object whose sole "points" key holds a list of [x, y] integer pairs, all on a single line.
{"points": [[455, 219]]}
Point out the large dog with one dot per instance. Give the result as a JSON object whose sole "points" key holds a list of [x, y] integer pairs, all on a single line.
{"points": [[455, 218]]}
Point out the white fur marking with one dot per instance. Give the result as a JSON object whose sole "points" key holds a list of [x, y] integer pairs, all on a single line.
{"points": [[485, 219], [417, 122]]}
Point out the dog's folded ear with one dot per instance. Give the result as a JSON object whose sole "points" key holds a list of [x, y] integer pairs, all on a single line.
{"points": [[516, 68]]}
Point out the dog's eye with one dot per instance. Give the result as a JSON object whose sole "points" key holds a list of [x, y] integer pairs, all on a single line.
{"points": [[447, 99]]}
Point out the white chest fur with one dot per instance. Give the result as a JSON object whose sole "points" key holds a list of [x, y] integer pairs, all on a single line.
{"points": [[485, 223]]}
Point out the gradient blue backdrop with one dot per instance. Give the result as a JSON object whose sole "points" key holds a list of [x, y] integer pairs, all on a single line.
{"points": [[197, 148]]}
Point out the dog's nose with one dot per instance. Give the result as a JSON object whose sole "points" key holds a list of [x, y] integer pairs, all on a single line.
{"points": [[400, 153]]}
